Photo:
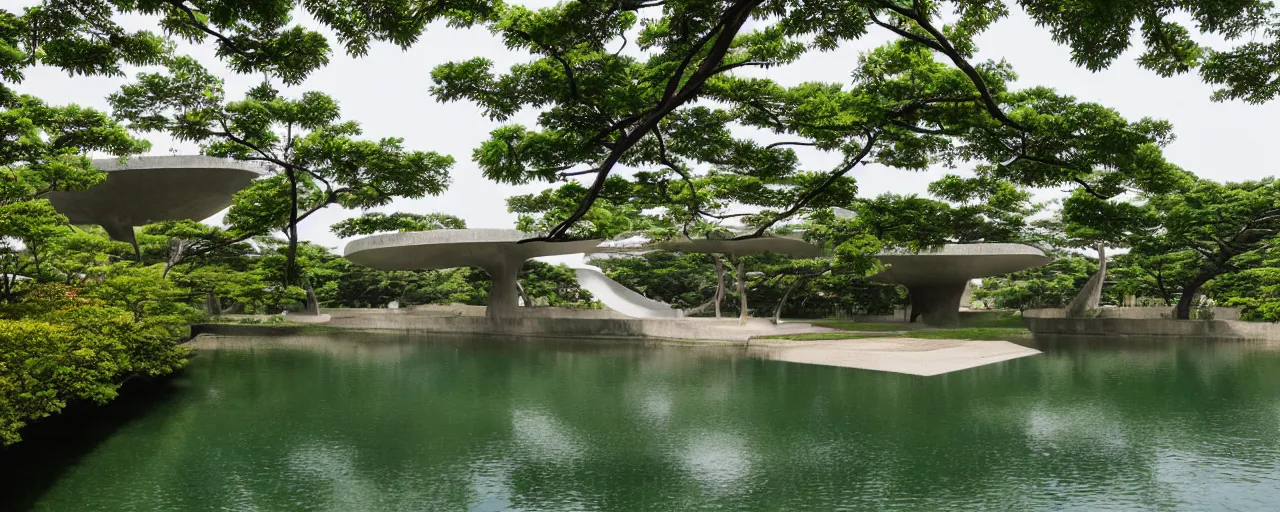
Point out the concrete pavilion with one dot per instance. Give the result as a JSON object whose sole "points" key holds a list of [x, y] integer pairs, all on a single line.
{"points": [[937, 279], [142, 190], [497, 251]]}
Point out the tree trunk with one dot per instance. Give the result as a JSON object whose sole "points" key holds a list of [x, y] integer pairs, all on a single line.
{"points": [[292, 230], [1183, 310], [742, 292], [719, 282], [211, 304], [312, 306], [777, 312], [697, 310], [528, 303]]}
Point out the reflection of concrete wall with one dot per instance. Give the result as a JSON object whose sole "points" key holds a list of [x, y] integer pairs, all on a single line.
{"points": [[683, 329], [467, 310], [1126, 327], [1133, 313]]}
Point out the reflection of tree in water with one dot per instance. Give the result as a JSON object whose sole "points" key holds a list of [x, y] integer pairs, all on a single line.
{"points": [[463, 423]]}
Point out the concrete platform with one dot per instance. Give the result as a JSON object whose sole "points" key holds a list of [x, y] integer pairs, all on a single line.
{"points": [[897, 355], [146, 189]]}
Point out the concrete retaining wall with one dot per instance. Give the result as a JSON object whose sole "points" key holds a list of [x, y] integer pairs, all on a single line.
{"points": [[247, 329], [466, 310], [725, 329], [1133, 313], [1146, 327]]}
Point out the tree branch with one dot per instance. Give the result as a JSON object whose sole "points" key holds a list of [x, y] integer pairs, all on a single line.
{"points": [[813, 193], [728, 26]]}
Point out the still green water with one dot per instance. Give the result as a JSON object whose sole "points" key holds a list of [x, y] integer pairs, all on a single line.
{"points": [[388, 423]]}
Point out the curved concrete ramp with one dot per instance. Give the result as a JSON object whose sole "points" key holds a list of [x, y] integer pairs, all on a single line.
{"points": [[620, 298]]}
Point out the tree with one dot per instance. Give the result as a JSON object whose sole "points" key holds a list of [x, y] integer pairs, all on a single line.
{"points": [[603, 108], [172, 242], [371, 223], [614, 213], [1048, 286], [318, 157], [1216, 227]]}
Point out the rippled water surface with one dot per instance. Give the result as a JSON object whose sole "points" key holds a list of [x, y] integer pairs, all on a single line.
{"points": [[385, 423]]}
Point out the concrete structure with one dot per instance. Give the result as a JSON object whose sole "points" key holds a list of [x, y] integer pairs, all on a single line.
{"points": [[621, 299], [1091, 295], [1135, 313], [937, 279], [497, 251], [898, 355], [1054, 322], [142, 190]]}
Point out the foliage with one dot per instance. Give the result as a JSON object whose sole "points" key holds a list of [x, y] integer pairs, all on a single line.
{"points": [[682, 280], [319, 159], [670, 108], [614, 213], [371, 223], [1050, 286], [56, 346], [1213, 229]]}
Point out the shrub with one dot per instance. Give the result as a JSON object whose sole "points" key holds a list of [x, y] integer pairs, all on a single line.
{"points": [[57, 346]]}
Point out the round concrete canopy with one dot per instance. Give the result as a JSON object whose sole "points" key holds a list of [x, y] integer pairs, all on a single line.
{"points": [[147, 189], [447, 248], [793, 247], [959, 262]]}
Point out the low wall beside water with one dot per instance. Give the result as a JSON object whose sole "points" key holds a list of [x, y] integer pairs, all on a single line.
{"points": [[556, 324], [1147, 327]]}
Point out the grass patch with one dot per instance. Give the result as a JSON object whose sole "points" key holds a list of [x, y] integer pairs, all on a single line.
{"points": [[850, 325], [962, 333], [810, 336]]}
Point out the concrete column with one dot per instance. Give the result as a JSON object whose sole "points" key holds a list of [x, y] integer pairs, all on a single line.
{"points": [[1091, 295], [122, 232], [504, 292], [937, 304]]}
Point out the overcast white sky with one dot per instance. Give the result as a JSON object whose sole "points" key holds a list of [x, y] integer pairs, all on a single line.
{"points": [[387, 92]]}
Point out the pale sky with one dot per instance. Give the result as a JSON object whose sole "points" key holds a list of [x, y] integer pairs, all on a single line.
{"points": [[387, 93]]}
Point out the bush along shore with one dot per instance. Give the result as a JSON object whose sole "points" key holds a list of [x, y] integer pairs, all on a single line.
{"points": [[60, 345]]}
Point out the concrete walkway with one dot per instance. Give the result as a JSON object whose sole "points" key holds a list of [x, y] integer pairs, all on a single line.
{"points": [[898, 355]]}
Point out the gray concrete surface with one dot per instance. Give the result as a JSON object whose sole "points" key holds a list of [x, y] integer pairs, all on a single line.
{"points": [[146, 189], [899, 355], [1090, 295], [1053, 321], [553, 325], [936, 279], [1135, 313], [497, 251]]}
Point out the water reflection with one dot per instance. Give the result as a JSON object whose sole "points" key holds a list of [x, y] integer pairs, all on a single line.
{"points": [[390, 423]]}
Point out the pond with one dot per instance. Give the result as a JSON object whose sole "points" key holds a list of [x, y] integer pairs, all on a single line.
{"points": [[380, 422]]}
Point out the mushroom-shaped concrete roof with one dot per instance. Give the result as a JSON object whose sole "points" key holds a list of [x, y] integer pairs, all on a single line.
{"points": [[445, 248], [793, 247], [497, 251], [142, 190], [959, 262], [936, 279]]}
